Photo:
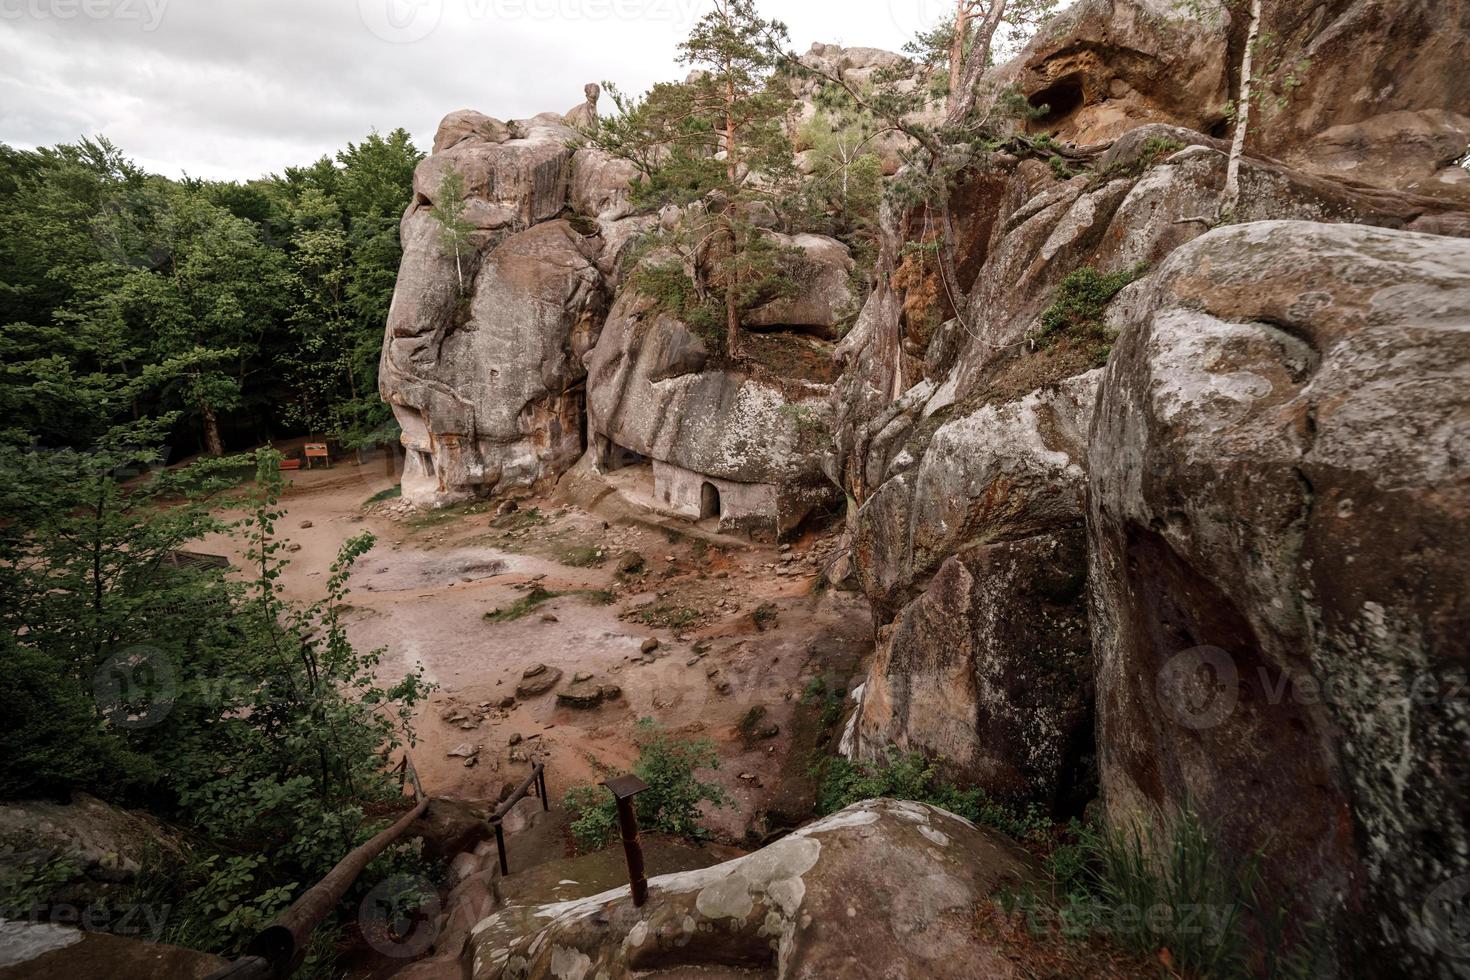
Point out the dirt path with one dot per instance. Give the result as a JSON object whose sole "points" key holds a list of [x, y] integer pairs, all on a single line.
{"points": [[425, 591]]}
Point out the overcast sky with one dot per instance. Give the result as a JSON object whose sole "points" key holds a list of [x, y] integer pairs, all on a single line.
{"points": [[240, 88]]}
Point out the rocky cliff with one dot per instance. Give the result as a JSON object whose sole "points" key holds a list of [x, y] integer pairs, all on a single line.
{"points": [[1200, 546]]}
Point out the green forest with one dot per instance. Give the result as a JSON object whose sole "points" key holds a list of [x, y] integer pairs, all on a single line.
{"points": [[147, 321], [232, 312]]}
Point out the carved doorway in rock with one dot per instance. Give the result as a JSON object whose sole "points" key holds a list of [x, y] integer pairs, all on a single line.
{"points": [[709, 502]]}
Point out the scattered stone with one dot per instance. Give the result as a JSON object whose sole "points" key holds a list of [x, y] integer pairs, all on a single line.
{"points": [[579, 678], [516, 739], [307, 525], [506, 703], [293, 547], [630, 563], [464, 751], [585, 695], [725, 688], [535, 671], [549, 618], [539, 683], [649, 645]]}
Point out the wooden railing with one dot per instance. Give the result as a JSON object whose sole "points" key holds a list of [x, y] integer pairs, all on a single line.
{"points": [[537, 779], [276, 952]]}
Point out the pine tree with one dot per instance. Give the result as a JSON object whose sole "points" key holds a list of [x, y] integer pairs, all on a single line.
{"points": [[719, 139]]}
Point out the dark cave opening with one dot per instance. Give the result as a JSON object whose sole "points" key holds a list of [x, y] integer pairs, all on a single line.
{"points": [[1060, 99]]}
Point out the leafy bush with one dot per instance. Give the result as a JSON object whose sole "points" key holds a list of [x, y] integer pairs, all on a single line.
{"points": [[912, 777], [1076, 311], [672, 802]]}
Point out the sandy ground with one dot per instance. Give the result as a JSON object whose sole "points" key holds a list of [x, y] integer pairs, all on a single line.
{"points": [[424, 593]]}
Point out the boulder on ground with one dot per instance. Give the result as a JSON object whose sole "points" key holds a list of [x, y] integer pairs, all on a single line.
{"points": [[787, 910], [537, 684]]}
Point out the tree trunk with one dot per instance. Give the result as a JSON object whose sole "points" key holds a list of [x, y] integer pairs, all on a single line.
{"points": [[957, 49], [732, 294], [1230, 199], [962, 100], [212, 440]]}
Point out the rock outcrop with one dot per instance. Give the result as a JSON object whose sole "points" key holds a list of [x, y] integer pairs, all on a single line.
{"points": [[1104, 67], [1278, 497], [756, 441], [787, 911]]}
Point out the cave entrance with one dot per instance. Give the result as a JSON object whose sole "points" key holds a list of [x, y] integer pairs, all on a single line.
{"points": [[1060, 99], [709, 501], [621, 458]]}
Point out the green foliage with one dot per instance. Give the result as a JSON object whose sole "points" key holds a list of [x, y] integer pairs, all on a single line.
{"points": [[28, 882], [1076, 312], [250, 722], [522, 607], [673, 800], [392, 493], [229, 308], [455, 231], [718, 139], [1200, 903], [911, 777]]}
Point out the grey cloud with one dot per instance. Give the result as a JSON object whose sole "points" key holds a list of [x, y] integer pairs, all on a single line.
{"points": [[245, 87]]}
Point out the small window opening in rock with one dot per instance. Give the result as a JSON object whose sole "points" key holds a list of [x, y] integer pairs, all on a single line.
{"points": [[428, 460], [709, 502], [1062, 98]]}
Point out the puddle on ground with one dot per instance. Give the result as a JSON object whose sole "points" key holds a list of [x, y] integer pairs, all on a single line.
{"points": [[403, 570]]}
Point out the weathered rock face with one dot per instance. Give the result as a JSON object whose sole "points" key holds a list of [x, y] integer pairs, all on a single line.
{"points": [[482, 361], [788, 910], [653, 391], [496, 401], [936, 478], [1278, 503], [987, 670], [107, 846], [1359, 69], [820, 270], [1104, 67]]}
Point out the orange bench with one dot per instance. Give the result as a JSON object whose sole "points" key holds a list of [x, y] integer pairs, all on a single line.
{"points": [[315, 451]]}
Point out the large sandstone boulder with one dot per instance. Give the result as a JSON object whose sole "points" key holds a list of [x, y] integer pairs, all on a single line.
{"points": [[906, 876], [105, 846], [1278, 501], [986, 672], [653, 389], [602, 185], [820, 271], [1348, 72], [487, 388], [1001, 472]]}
